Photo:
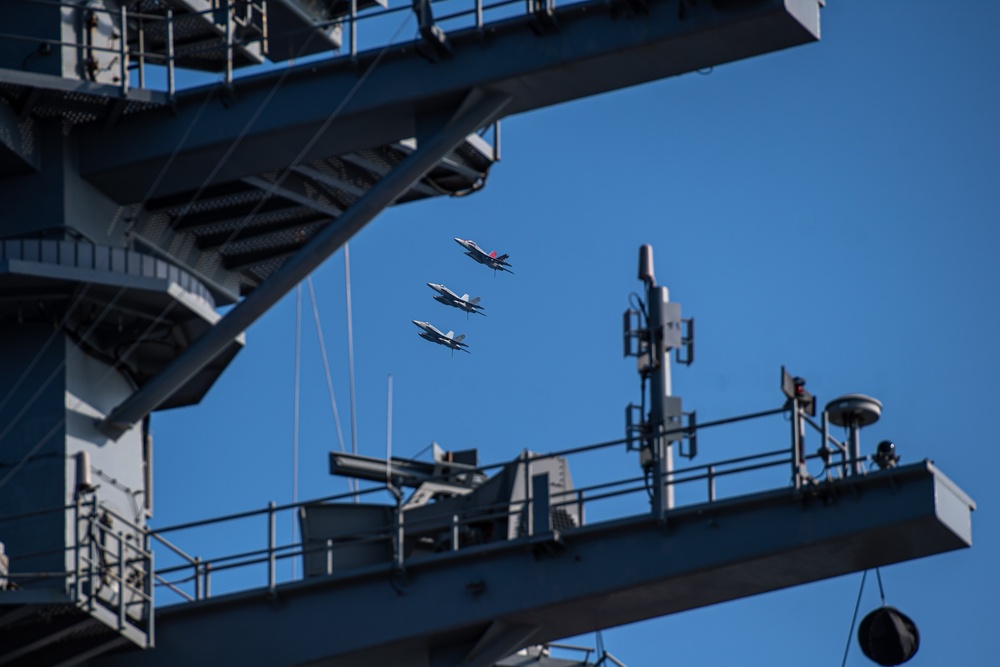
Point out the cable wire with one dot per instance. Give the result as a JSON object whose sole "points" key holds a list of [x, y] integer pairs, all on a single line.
{"points": [[295, 409], [326, 365], [854, 619]]}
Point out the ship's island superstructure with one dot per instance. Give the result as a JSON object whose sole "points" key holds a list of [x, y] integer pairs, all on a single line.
{"points": [[135, 207]]}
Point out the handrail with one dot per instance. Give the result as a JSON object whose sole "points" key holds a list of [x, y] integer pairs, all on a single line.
{"points": [[434, 525], [445, 522]]}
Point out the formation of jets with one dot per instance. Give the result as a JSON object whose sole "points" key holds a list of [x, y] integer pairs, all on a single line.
{"points": [[449, 298]]}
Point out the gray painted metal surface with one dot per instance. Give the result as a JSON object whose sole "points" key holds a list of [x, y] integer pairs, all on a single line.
{"points": [[596, 49], [504, 596]]}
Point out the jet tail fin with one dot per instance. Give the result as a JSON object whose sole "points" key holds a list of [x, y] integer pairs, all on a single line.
{"points": [[458, 338], [494, 254], [449, 334], [465, 297], [473, 302], [502, 257]]}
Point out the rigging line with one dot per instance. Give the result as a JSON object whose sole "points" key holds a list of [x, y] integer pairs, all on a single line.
{"points": [[854, 619], [881, 591], [295, 409], [350, 357], [350, 345], [326, 365], [315, 137]]}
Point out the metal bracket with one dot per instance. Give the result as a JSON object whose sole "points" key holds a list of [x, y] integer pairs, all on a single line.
{"points": [[634, 336], [636, 429], [690, 435], [687, 343]]}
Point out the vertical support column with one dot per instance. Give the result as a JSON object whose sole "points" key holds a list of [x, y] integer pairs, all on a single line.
{"points": [[142, 51], [857, 465], [354, 29], [123, 51], [526, 517], [660, 445], [400, 538], [796, 422], [170, 54], [122, 593], [230, 8]]}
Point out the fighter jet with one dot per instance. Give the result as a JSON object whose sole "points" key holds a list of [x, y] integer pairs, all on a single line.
{"points": [[449, 298], [431, 333], [489, 259]]}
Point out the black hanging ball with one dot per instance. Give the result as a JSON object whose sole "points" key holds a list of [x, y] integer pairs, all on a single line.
{"points": [[888, 636]]}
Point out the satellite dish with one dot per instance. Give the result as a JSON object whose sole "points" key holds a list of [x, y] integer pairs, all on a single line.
{"points": [[888, 636]]}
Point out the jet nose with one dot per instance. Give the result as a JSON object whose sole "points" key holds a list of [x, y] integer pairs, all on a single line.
{"points": [[417, 322], [432, 285], [460, 241]]}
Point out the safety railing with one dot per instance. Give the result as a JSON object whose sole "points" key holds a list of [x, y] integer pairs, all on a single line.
{"points": [[139, 39], [404, 539], [111, 566], [126, 43]]}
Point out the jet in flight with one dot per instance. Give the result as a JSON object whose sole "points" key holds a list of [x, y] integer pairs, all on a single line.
{"points": [[449, 298], [431, 333], [489, 259]]}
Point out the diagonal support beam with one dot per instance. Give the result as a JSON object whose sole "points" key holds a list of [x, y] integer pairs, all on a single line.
{"points": [[477, 110]]}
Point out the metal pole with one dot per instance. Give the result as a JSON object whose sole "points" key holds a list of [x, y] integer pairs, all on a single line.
{"points": [[662, 449], [76, 546], [170, 54], [400, 537], [711, 484], [142, 53], [229, 42], [527, 494], [481, 108], [796, 445], [354, 29], [197, 577], [857, 466], [124, 49], [271, 520], [150, 595], [121, 580]]}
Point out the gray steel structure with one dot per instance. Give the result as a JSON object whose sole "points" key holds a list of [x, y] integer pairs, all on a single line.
{"points": [[132, 210]]}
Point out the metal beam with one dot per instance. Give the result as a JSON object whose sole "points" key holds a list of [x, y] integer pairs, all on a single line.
{"points": [[596, 49], [441, 606], [478, 110]]}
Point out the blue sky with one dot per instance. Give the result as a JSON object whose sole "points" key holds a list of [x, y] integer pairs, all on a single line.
{"points": [[831, 208]]}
